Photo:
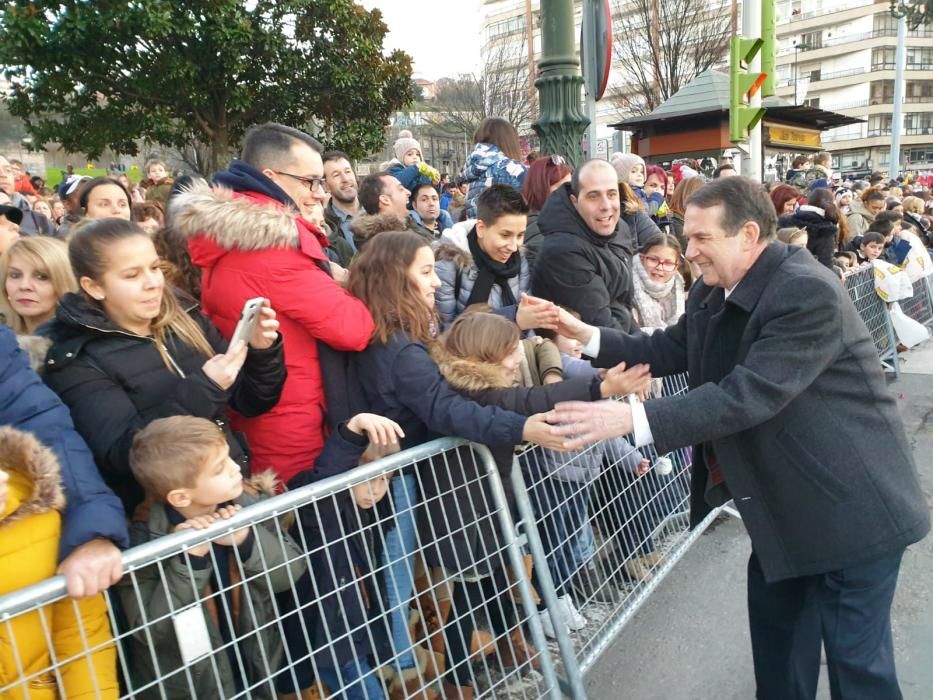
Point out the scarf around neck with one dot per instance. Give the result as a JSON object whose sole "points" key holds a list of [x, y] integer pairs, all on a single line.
{"points": [[492, 272], [658, 304]]}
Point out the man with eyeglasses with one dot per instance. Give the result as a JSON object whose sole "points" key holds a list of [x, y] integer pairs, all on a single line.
{"points": [[248, 236]]}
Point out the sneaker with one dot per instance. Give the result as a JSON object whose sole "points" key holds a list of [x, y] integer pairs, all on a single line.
{"points": [[547, 624], [572, 616]]}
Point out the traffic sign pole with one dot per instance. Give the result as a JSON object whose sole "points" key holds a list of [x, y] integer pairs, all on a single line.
{"points": [[751, 27]]}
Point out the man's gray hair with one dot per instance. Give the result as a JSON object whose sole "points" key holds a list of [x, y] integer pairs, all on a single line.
{"points": [[742, 200]]}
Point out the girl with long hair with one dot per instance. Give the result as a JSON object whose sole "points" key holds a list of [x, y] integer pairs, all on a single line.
{"points": [[126, 350], [395, 278]]}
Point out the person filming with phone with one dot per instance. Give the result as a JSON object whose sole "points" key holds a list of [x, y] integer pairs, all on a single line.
{"points": [[126, 350]]}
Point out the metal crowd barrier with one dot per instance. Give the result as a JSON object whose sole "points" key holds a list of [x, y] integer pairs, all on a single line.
{"points": [[919, 306], [291, 600], [874, 312]]}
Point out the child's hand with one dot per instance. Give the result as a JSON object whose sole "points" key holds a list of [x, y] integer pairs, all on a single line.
{"points": [[430, 172], [644, 466], [380, 431], [235, 538], [620, 381], [201, 522]]}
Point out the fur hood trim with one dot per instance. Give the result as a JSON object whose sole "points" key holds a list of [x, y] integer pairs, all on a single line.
{"points": [[36, 347], [470, 375], [231, 221], [24, 453], [368, 225], [450, 251], [262, 484]]}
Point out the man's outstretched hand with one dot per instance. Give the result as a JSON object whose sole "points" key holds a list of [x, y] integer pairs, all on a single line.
{"points": [[582, 423]]}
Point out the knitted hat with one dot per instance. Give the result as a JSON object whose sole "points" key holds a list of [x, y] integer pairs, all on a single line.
{"points": [[623, 163], [404, 144]]}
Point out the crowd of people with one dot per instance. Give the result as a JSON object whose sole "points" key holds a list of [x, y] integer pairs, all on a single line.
{"points": [[397, 307]]}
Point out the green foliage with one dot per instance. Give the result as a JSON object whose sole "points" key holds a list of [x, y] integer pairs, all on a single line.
{"points": [[917, 12], [105, 74]]}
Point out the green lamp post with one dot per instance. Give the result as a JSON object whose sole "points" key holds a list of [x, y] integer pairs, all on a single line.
{"points": [[561, 122]]}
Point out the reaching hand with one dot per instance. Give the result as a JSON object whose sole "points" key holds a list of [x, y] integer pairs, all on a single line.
{"points": [[91, 568], [538, 430], [380, 431], [590, 422], [235, 538], [620, 381], [536, 313], [223, 369], [340, 274], [571, 327], [267, 330]]}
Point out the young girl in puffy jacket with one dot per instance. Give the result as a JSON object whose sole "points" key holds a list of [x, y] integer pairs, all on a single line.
{"points": [[482, 357]]}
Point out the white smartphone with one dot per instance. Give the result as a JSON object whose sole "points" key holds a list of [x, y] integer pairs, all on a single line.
{"points": [[248, 320]]}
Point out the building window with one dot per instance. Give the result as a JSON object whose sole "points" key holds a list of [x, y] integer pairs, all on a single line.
{"points": [[885, 22], [919, 58], [879, 125], [812, 39], [812, 102], [882, 58], [882, 92], [504, 27]]}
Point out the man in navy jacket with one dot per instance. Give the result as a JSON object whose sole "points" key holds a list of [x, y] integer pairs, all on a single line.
{"points": [[790, 417], [94, 525]]}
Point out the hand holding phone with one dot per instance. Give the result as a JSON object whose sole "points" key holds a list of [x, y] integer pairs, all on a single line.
{"points": [[249, 317]]}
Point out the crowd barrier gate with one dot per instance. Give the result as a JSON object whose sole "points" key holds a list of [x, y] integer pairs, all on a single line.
{"points": [[874, 312]]}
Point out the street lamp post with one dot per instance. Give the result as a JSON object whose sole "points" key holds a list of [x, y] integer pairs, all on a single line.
{"points": [[561, 122], [802, 46]]}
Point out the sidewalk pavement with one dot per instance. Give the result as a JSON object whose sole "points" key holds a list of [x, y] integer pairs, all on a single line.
{"points": [[690, 641]]}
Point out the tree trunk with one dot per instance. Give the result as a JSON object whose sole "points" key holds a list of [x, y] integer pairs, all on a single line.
{"points": [[219, 157]]}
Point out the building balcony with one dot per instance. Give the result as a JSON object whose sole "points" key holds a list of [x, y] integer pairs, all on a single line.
{"points": [[848, 43]]}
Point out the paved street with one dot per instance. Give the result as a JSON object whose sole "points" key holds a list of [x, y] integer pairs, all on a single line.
{"points": [[691, 639]]}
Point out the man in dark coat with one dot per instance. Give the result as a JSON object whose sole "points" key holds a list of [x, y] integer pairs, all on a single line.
{"points": [[94, 525], [585, 258], [791, 418]]}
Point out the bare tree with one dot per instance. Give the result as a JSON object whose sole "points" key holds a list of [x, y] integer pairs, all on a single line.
{"points": [[658, 47], [500, 89]]}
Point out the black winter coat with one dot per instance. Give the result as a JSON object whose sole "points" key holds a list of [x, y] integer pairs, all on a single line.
{"points": [[786, 390], [458, 520], [578, 269], [344, 545], [822, 234], [115, 383]]}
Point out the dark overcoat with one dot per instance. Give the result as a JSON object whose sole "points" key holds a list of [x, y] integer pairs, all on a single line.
{"points": [[787, 392]]}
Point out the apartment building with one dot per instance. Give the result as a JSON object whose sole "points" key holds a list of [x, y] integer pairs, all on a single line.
{"points": [[839, 55]]}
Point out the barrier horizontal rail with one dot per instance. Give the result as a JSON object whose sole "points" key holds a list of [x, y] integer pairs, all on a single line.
{"points": [[919, 306], [293, 617]]}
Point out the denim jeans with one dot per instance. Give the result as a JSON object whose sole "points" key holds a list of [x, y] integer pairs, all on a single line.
{"points": [[357, 674], [398, 557]]}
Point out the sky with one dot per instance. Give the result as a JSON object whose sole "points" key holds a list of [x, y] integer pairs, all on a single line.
{"points": [[443, 38]]}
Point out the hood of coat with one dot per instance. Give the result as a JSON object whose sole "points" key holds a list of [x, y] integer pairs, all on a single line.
{"points": [[368, 225], [217, 220], [35, 484], [470, 375], [454, 253], [36, 347]]}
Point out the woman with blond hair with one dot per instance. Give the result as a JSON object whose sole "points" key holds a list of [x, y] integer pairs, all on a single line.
{"points": [[36, 274]]}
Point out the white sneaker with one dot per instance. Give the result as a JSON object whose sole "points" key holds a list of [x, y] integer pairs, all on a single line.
{"points": [[572, 616], [547, 624]]}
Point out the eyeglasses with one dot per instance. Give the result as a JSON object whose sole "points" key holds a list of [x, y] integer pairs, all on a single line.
{"points": [[653, 261], [311, 183]]}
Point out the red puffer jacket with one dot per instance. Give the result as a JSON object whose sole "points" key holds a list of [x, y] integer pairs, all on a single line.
{"points": [[248, 245]]}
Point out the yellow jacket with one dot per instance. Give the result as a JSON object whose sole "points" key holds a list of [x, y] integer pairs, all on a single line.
{"points": [[75, 634]]}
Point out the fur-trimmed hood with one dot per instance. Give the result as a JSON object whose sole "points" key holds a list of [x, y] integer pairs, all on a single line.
{"points": [[233, 221], [23, 453], [368, 225], [262, 484], [454, 253], [36, 348], [470, 375]]}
